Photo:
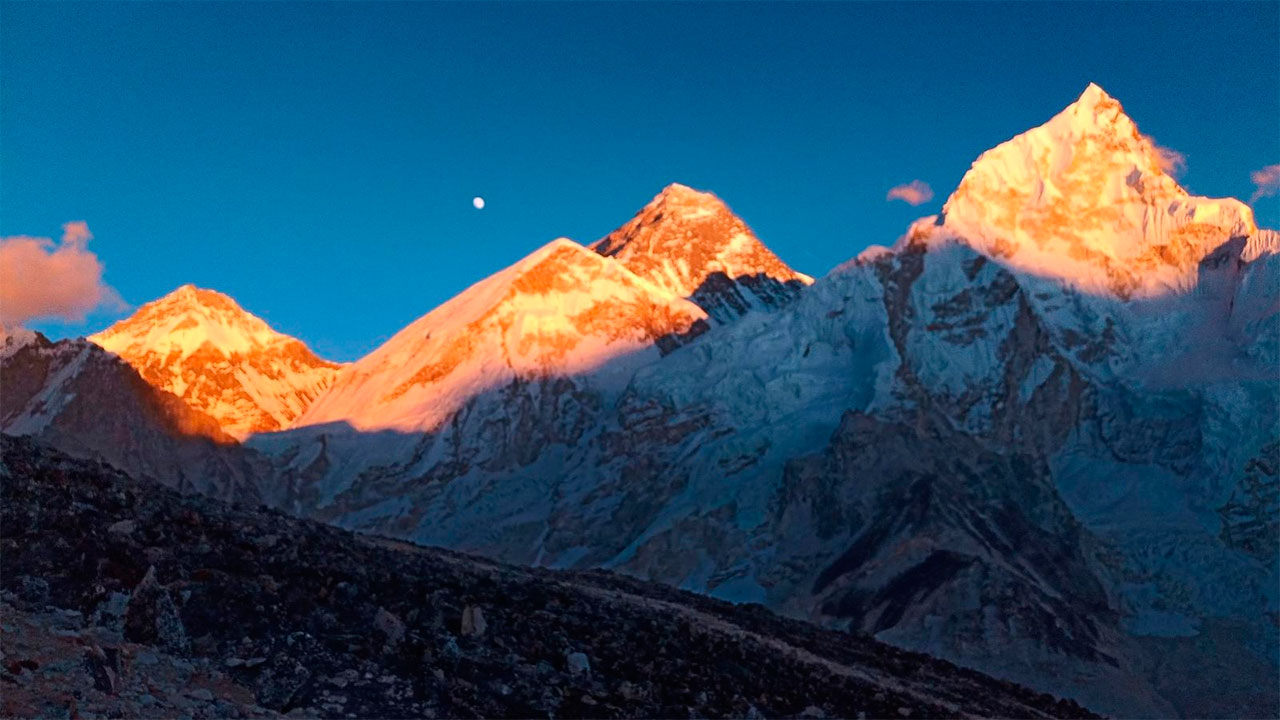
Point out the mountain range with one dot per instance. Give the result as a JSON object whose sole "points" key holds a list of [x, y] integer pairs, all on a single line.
{"points": [[1035, 436]]}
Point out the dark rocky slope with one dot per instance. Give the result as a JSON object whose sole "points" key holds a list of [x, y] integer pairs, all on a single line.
{"points": [[214, 610]]}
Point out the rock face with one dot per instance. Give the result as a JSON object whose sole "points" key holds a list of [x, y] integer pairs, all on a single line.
{"points": [[690, 243], [222, 361], [284, 628], [74, 395]]}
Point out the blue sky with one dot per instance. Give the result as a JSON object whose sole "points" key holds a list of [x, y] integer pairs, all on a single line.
{"points": [[317, 161]]}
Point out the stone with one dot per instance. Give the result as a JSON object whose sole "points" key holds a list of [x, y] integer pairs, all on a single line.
{"points": [[151, 618], [123, 527], [34, 590], [390, 627], [280, 681], [202, 694], [473, 622], [146, 657], [110, 612], [578, 663], [104, 668]]}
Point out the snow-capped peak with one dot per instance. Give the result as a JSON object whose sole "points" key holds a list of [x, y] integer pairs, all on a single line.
{"points": [[1086, 197], [187, 319], [562, 310], [203, 347], [692, 244]]}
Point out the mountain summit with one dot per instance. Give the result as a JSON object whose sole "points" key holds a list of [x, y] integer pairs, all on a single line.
{"points": [[561, 310], [691, 243], [203, 347], [1086, 197]]}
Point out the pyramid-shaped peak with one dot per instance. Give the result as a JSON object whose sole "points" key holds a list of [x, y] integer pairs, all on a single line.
{"points": [[684, 236], [1094, 96], [185, 320], [1085, 196], [200, 345], [189, 294]]}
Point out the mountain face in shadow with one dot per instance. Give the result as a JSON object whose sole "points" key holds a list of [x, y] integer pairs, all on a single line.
{"points": [[1035, 436], [262, 613], [77, 397]]}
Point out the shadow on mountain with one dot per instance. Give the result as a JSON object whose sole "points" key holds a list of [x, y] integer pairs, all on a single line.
{"points": [[132, 600], [87, 402]]}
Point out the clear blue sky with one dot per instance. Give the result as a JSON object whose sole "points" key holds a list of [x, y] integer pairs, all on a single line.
{"points": [[317, 161]]}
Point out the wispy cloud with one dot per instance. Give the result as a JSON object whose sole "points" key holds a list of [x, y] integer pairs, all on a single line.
{"points": [[916, 192], [1268, 181], [43, 279], [1171, 161]]}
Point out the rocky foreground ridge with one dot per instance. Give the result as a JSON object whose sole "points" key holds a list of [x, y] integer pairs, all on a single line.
{"points": [[124, 598]]}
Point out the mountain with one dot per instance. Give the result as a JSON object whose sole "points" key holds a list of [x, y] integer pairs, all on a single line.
{"points": [[691, 243], [561, 311], [124, 599], [77, 397], [1085, 197], [1028, 446], [1036, 436], [203, 347]]}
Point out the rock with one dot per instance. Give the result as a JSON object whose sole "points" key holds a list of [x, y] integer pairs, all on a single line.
{"points": [[390, 627], [110, 612], [34, 590], [812, 711], [202, 694], [123, 527], [152, 619], [280, 681], [233, 662], [104, 668], [904, 711], [473, 622], [449, 650], [578, 663], [254, 662], [146, 657]]}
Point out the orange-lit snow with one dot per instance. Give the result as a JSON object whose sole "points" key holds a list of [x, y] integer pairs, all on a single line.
{"points": [[1085, 198], [562, 310], [203, 347]]}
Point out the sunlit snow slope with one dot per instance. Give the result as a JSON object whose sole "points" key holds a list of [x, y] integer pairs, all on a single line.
{"points": [[201, 346], [562, 310]]}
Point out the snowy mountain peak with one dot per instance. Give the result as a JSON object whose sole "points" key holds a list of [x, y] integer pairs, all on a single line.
{"points": [[692, 244], [1087, 198], [203, 347], [561, 311]]}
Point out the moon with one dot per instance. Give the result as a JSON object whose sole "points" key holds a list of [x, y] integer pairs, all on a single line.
{"points": [[478, 202]]}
